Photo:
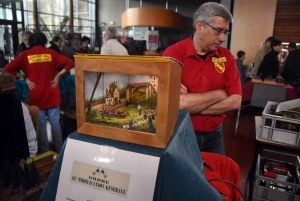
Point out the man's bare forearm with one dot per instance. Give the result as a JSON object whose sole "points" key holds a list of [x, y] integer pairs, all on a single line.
{"points": [[232, 102], [197, 102]]}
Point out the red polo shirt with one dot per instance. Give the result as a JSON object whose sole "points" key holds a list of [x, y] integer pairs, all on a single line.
{"points": [[217, 71], [40, 66]]}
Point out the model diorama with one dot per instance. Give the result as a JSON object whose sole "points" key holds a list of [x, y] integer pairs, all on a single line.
{"points": [[127, 98], [121, 101]]}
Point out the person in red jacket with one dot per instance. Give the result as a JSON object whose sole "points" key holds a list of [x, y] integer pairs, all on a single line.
{"points": [[40, 67]]}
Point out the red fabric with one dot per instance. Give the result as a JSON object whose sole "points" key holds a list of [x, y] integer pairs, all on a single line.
{"points": [[200, 76], [81, 50], [291, 93], [42, 70], [222, 167]]}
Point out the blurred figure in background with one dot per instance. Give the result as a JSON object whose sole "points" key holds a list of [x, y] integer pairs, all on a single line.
{"points": [[291, 70], [261, 52], [241, 55], [269, 66], [129, 45], [24, 45], [85, 45], [3, 61], [159, 51], [111, 45], [30, 131], [66, 48], [56, 44]]}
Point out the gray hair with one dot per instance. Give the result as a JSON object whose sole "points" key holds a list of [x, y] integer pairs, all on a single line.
{"points": [[209, 10], [112, 32], [26, 33]]}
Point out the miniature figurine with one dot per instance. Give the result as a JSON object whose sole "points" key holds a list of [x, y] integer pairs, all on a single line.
{"points": [[130, 125], [139, 107]]}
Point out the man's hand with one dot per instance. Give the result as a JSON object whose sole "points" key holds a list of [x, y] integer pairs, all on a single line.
{"points": [[55, 81], [183, 89], [31, 85]]}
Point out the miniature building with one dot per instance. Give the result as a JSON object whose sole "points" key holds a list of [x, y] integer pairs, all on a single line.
{"points": [[143, 87], [154, 82], [113, 96], [147, 88]]}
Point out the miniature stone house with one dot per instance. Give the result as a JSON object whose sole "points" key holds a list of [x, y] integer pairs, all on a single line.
{"points": [[112, 97], [154, 82], [147, 88]]}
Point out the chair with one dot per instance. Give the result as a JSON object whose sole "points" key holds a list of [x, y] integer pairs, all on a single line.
{"points": [[243, 106]]}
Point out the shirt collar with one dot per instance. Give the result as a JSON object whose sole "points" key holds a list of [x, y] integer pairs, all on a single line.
{"points": [[191, 51]]}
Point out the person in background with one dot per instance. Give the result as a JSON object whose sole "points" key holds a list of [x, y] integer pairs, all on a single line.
{"points": [[210, 81], [241, 55], [129, 45], [40, 65], [85, 45], [3, 61], [261, 52], [30, 131], [24, 45], [67, 49], [291, 70], [55, 44], [159, 51], [111, 44], [66, 99], [269, 66]]}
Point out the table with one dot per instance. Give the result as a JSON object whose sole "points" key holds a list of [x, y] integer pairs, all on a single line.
{"points": [[261, 144], [181, 175], [248, 89], [264, 91], [257, 93]]}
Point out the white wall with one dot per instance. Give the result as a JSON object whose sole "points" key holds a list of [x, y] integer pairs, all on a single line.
{"points": [[185, 9], [253, 22], [111, 10]]}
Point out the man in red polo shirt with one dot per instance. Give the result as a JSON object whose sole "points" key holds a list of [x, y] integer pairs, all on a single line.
{"points": [[210, 81]]}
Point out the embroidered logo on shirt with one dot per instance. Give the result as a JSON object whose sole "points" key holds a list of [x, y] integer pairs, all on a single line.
{"points": [[219, 64], [218, 60], [39, 58]]}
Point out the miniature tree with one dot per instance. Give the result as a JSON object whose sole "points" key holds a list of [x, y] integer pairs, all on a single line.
{"points": [[92, 95]]}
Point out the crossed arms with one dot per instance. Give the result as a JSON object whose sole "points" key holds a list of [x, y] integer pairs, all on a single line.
{"points": [[214, 102]]}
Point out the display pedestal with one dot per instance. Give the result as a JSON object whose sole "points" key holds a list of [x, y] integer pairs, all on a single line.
{"points": [[180, 174]]}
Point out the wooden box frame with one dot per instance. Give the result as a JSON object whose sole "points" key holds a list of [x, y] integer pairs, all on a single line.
{"points": [[168, 72]]}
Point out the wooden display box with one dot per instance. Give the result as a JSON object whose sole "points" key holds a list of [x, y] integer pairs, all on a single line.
{"points": [[127, 98]]}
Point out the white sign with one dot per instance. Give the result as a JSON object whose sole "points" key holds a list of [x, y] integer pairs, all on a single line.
{"points": [[140, 33], [96, 172], [152, 42]]}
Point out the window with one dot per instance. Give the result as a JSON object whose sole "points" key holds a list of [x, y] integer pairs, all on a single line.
{"points": [[84, 18], [6, 11]]}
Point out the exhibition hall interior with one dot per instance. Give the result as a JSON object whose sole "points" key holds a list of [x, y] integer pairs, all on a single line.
{"points": [[163, 100]]}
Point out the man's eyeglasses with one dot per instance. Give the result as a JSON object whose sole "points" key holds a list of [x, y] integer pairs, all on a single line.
{"points": [[67, 38], [219, 31]]}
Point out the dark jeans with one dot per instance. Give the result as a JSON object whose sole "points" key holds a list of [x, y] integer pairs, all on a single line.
{"points": [[211, 142]]}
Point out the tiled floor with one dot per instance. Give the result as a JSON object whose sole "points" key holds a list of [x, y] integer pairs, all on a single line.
{"points": [[241, 147]]}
